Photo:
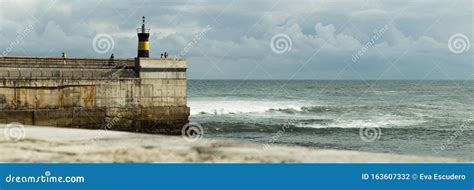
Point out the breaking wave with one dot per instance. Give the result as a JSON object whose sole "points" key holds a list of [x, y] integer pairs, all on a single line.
{"points": [[220, 107]]}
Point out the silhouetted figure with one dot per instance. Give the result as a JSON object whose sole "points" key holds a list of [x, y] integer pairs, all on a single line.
{"points": [[111, 60], [64, 57], [161, 56], [166, 55]]}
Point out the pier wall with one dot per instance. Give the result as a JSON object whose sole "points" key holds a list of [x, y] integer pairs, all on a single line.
{"points": [[142, 94]]}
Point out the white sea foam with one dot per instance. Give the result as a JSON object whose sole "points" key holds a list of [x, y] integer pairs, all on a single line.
{"points": [[369, 123], [240, 106]]}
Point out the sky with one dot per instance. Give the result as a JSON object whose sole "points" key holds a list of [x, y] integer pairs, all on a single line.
{"points": [[244, 39]]}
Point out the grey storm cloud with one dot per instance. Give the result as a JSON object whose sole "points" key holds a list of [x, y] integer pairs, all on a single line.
{"points": [[232, 39]]}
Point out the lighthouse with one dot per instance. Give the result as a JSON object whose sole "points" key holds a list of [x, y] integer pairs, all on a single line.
{"points": [[143, 43]]}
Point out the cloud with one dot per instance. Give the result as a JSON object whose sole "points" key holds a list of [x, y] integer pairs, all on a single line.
{"points": [[324, 34]]}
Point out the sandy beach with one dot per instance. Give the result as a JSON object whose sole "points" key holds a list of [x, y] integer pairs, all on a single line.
{"points": [[64, 145]]}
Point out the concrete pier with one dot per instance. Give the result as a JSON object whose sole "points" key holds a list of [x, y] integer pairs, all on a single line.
{"points": [[141, 94]]}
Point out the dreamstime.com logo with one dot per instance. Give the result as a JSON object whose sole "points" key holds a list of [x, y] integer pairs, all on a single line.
{"points": [[19, 38], [192, 43], [378, 33], [459, 43], [103, 43], [466, 125], [14, 131], [370, 134], [44, 178], [281, 43], [192, 132], [286, 125]]}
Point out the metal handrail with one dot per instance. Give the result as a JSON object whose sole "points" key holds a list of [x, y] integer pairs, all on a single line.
{"points": [[63, 61]]}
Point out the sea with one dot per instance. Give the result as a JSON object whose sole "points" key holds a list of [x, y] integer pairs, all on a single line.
{"points": [[427, 118]]}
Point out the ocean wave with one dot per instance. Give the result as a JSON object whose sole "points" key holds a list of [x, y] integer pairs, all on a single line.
{"points": [[386, 123], [221, 107], [218, 107], [304, 125], [311, 109]]}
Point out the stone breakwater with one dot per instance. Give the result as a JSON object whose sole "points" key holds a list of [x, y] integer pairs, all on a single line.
{"points": [[141, 94]]}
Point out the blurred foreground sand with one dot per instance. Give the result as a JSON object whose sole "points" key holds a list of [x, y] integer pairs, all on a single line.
{"points": [[49, 144]]}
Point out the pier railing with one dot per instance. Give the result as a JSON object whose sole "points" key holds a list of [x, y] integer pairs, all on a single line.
{"points": [[64, 62]]}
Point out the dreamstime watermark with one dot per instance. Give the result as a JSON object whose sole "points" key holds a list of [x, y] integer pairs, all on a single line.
{"points": [[459, 132], [279, 133], [115, 74], [281, 43], [469, 4], [110, 123], [458, 43], [375, 37], [44, 178], [103, 43], [19, 38], [14, 131], [370, 134], [192, 132], [195, 40]]}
